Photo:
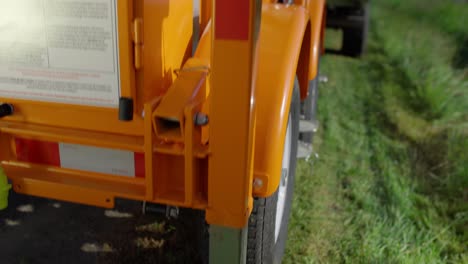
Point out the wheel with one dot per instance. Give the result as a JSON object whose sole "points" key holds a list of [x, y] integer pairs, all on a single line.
{"points": [[355, 38], [268, 223]]}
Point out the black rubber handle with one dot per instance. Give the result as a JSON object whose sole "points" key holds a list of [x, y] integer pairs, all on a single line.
{"points": [[125, 109]]}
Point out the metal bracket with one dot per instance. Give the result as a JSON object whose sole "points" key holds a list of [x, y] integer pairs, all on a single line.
{"points": [[168, 211]]}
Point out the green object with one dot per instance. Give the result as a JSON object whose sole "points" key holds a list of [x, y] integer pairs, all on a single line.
{"points": [[4, 190], [228, 245]]}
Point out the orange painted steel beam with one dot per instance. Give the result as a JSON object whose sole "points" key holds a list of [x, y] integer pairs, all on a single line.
{"points": [[232, 122]]}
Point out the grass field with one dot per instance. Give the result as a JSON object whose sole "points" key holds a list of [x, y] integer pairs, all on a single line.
{"points": [[390, 184]]}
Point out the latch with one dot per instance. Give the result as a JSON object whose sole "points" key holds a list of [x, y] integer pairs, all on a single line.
{"points": [[137, 42]]}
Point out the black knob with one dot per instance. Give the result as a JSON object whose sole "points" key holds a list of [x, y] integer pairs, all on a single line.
{"points": [[6, 110], [125, 109]]}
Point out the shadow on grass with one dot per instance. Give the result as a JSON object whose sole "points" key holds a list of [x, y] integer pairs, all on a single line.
{"points": [[460, 58]]}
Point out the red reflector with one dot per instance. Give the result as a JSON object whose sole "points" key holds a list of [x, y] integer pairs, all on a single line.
{"points": [[39, 152], [139, 165], [232, 19]]}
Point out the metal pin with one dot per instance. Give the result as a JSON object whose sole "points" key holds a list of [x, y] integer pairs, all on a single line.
{"points": [[201, 119]]}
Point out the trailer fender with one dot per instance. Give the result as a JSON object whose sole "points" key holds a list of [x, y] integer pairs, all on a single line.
{"points": [[312, 45], [317, 15], [284, 50], [281, 38]]}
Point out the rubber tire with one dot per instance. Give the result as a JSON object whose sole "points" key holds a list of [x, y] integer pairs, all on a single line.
{"points": [[355, 39], [261, 246]]}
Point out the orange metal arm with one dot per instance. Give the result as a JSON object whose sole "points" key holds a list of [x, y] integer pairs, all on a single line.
{"points": [[206, 9], [232, 120]]}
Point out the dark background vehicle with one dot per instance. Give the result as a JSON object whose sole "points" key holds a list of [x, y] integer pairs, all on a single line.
{"points": [[352, 17]]}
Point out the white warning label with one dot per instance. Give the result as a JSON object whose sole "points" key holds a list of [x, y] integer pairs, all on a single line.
{"points": [[62, 51]]}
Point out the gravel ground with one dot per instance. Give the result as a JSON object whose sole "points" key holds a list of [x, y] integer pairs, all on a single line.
{"points": [[36, 230]]}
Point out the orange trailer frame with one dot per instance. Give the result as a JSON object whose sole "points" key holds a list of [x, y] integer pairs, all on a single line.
{"points": [[241, 78]]}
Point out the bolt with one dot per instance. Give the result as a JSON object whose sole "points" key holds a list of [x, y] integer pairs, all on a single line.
{"points": [[315, 126], [172, 212], [284, 176], [323, 78], [201, 119], [258, 183]]}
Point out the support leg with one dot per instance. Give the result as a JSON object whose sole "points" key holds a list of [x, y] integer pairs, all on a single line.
{"points": [[228, 245]]}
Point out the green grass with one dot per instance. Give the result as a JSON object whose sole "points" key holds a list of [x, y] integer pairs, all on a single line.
{"points": [[390, 184]]}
